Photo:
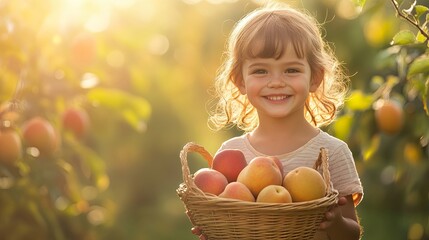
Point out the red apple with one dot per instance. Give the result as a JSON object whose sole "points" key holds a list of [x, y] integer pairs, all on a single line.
{"points": [[39, 133], [76, 120], [229, 162], [210, 181]]}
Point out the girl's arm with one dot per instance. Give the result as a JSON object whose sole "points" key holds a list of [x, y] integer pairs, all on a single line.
{"points": [[341, 222]]}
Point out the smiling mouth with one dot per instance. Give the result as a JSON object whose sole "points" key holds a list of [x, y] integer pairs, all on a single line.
{"points": [[277, 98]]}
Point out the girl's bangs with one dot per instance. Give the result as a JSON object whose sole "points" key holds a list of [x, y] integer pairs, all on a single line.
{"points": [[271, 40]]}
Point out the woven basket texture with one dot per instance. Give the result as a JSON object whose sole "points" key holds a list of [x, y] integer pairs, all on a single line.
{"points": [[225, 219]]}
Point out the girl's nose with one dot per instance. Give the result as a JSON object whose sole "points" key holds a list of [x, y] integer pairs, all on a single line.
{"points": [[276, 82]]}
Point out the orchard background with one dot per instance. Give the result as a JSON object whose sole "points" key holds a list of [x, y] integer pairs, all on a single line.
{"points": [[114, 89]]}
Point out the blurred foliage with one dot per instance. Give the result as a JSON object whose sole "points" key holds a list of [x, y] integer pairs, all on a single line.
{"points": [[143, 71]]}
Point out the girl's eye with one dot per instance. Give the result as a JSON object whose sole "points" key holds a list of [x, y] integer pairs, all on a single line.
{"points": [[292, 70], [259, 71]]}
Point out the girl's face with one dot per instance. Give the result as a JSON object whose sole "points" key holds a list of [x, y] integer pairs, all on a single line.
{"points": [[277, 88]]}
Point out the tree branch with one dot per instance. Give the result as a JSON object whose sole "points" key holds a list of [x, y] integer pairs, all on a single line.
{"points": [[406, 17]]}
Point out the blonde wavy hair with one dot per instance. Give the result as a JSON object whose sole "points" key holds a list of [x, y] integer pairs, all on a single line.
{"points": [[277, 27]]}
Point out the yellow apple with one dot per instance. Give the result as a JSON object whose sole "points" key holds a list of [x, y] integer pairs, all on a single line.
{"points": [[305, 184], [274, 194]]}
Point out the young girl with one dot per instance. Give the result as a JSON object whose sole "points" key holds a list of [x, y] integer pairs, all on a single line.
{"points": [[279, 83]]}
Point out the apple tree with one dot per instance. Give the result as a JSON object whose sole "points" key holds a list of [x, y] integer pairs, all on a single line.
{"points": [[56, 102], [386, 123]]}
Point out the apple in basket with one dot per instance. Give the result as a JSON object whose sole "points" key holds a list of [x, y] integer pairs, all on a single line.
{"points": [[239, 191], [229, 162], [279, 164], [274, 194], [305, 184], [210, 181], [259, 173]]}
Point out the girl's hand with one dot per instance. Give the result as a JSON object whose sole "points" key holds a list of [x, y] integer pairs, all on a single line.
{"points": [[197, 231], [333, 215]]}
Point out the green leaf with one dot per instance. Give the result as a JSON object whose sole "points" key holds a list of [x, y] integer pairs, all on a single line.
{"points": [[133, 109], [403, 37], [420, 37], [358, 101], [372, 149], [360, 3], [420, 65], [425, 97], [342, 126], [420, 10], [93, 161]]}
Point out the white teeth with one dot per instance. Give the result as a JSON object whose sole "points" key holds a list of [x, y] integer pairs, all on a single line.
{"points": [[276, 98]]}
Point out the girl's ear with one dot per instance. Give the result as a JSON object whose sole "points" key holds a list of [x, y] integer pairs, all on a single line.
{"points": [[316, 80], [240, 85]]}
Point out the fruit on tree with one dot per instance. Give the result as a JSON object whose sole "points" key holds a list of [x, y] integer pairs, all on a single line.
{"points": [[389, 116], [259, 173], [76, 120], [229, 162], [10, 146], [304, 184], [210, 181], [82, 49], [39, 133]]}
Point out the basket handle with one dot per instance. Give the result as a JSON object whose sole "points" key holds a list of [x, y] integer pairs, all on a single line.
{"points": [[192, 147], [323, 162]]}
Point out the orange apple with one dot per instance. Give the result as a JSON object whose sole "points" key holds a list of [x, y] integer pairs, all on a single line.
{"points": [[259, 173], [10, 146], [389, 116], [279, 164], [39, 133], [229, 162], [76, 120], [83, 49], [274, 194], [237, 190], [305, 184], [210, 181]]}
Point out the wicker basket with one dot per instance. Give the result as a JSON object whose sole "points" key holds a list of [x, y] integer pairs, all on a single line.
{"points": [[223, 219]]}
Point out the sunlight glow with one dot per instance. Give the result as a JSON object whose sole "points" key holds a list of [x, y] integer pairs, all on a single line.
{"points": [[98, 22], [158, 44], [61, 203], [347, 9], [97, 215], [191, 2], [6, 180], [388, 175], [115, 58], [123, 3], [33, 151], [89, 80]]}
